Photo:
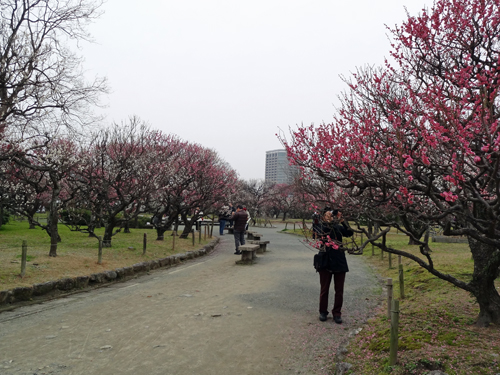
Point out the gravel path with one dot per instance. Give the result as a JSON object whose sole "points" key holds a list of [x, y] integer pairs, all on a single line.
{"points": [[206, 316]]}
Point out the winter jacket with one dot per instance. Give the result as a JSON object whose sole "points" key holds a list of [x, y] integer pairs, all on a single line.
{"points": [[337, 261], [225, 213], [239, 220]]}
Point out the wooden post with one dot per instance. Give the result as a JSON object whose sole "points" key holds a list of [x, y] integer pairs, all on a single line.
{"points": [[212, 226], [401, 282], [390, 260], [389, 298], [24, 256], [381, 254], [174, 234], [99, 254], [193, 236], [294, 226], [393, 355], [373, 249], [400, 261], [199, 235], [205, 233], [144, 243]]}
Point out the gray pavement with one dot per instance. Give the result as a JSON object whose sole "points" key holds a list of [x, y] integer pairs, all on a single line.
{"points": [[206, 316]]}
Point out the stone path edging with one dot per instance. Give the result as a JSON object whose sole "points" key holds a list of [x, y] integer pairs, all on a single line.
{"points": [[58, 288]]}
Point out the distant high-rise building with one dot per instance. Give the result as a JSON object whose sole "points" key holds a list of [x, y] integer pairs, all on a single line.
{"points": [[278, 169]]}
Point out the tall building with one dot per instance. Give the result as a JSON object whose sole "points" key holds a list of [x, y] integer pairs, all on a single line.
{"points": [[278, 169]]}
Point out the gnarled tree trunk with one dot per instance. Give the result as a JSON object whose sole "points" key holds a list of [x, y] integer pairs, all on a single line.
{"points": [[486, 270]]}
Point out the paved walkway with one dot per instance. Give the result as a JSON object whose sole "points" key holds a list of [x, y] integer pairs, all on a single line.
{"points": [[206, 316]]}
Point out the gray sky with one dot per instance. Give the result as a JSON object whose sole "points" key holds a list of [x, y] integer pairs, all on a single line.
{"points": [[229, 74]]}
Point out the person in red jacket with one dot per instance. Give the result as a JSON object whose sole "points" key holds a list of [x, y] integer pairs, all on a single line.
{"points": [[239, 219]]}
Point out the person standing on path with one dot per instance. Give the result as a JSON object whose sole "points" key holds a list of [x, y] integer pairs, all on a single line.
{"points": [[224, 215], [331, 230], [233, 210], [248, 218], [239, 219]]}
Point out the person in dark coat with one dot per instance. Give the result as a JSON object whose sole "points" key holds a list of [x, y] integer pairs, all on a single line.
{"points": [[239, 218], [331, 230], [224, 215]]}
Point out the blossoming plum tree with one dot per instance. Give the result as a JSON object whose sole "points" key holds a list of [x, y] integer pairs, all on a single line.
{"points": [[419, 139], [44, 171], [207, 180], [115, 177]]}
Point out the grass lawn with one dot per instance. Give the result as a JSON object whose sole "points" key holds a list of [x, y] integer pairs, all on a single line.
{"points": [[436, 320], [77, 253]]}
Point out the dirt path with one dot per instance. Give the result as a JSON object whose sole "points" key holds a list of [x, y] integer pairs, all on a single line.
{"points": [[206, 316]]}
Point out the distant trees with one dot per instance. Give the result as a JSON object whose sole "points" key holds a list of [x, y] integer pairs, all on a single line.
{"points": [[417, 144], [254, 195], [110, 177], [193, 178]]}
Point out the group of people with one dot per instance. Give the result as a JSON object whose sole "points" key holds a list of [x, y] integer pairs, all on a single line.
{"points": [[238, 219], [329, 228]]}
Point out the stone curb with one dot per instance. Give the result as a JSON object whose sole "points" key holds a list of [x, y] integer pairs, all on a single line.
{"points": [[58, 288]]}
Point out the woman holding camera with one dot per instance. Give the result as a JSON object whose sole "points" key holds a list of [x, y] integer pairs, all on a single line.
{"points": [[332, 229]]}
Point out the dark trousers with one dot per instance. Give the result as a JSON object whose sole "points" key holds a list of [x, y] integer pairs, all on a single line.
{"points": [[222, 224], [325, 279], [239, 238]]}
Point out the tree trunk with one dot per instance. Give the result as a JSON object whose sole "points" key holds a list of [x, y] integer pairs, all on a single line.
{"points": [[162, 226], [108, 234], [370, 228], [486, 270], [160, 233], [187, 231], [188, 225], [411, 241], [52, 221], [31, 222], [126, 228]]}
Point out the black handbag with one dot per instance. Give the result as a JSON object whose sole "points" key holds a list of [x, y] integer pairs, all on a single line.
{"points": [[320, 261]]}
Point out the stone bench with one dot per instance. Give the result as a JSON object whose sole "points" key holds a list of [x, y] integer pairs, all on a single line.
{"points": [[262, 245], [247, 253], [250, 234], [257, 236], [230, 230]]}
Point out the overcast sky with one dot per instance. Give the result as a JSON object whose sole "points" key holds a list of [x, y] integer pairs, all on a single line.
{"points": [[230, 74]]}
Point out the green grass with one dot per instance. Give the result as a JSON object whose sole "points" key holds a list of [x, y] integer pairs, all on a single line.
{"points": [[77, 252], [436, 328]]}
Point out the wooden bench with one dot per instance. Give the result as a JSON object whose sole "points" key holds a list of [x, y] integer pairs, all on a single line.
{"points": [[262, 245], [247, 253]]}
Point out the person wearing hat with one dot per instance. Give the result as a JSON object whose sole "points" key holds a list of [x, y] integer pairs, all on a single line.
{"points": [[331, 229], [239, 219]]}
